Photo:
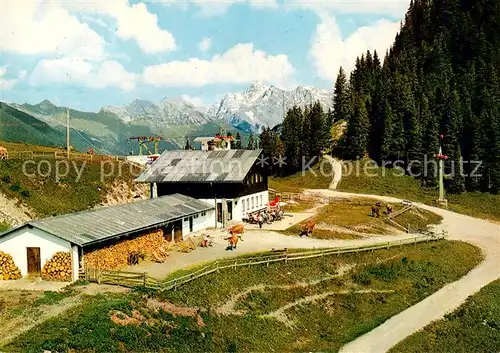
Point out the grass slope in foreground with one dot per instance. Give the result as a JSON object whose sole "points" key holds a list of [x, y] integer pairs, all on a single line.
{"points": [[472, 328], [244, 310], [390, 182], [79, 187]]}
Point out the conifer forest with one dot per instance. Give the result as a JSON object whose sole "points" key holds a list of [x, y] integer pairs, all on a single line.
{"points": [[438, 85]]}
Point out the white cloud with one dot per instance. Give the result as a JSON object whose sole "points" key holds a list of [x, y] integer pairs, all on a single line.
{"points": [[8, 83], [205, 44], [196, 101], [209, 8], [216, 8], [329, 51], [133, 22], [29, 27], [396, 8], [81, 72], [240, 64]]}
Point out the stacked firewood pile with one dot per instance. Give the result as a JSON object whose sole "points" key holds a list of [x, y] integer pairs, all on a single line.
{"points": [[58, 268], [118, 255], [8, 269]]}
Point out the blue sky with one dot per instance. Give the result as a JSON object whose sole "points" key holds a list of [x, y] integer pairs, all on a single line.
{"points": [[87, 55]]}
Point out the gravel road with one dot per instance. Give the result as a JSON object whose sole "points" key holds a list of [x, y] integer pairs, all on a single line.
{"points": [[482, 233]]}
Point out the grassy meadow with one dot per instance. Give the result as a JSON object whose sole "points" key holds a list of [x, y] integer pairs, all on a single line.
{"points": [[306, 305]]}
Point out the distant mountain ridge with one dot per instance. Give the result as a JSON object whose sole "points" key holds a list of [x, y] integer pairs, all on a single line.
{"points": [[250, 111], [175, 118]]}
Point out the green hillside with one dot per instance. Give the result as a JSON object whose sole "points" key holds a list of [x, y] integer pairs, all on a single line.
{"points": [[106, 131], [18, 126]]}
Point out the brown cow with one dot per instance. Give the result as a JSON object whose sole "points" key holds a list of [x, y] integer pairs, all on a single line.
{"points": [[307, 229], [233, 241], [3, 153], [238, 230]]}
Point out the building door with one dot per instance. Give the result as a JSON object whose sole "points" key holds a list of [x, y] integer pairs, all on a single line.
{"points": [[169, 229], [191, 224], [219, 212], [178, 231], [34, 261], [230, 210]]}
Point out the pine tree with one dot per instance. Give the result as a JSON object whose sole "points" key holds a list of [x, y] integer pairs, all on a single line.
{"points": [[319, 132], [291, 137], [358, 129], [341, 102], [386, 133], [251, 143], [430, 141], [237, 142]]}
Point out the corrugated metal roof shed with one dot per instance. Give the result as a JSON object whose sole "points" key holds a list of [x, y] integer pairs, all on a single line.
{"points": [[84, 228], [228, 166]]}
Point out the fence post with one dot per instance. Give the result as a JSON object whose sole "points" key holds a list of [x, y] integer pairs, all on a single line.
{"points": [[217, 264], [388, 245], [144, 275], [286, 256]]}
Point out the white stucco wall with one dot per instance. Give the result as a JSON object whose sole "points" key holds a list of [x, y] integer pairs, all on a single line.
{"points": [[75, 262], [260, 202], [18, 240], [202, 221]]}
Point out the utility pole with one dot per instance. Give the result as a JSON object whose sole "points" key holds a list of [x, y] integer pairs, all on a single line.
{"points": [[67, 132], [441, 157]]}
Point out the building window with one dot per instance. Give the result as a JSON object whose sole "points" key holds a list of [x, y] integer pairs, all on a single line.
{"points": [[248, 204], [243, 205], [261, 200], [253, 203], [203, 214], [186, 219]]}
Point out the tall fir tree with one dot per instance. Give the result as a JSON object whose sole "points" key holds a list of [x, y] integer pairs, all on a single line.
{"points": [[252, 145], [237, 142], [341, 104], [358, 130]]}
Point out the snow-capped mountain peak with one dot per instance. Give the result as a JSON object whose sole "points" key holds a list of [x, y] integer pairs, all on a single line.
{"points": [[251, 110], [261, 105]]}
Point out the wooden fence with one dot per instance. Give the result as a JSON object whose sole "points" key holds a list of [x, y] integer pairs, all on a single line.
{"points": [[131, 279], [23, 155]]}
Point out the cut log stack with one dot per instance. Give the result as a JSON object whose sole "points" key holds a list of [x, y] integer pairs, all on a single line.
{"points": [[8, 269], [117, 255], [58, 268]]}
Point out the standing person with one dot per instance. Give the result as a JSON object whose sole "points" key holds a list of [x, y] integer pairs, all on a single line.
{"points": [[260, 219]]}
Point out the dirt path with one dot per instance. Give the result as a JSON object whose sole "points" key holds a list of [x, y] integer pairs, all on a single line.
{"points": [[337, 171], [253, 241], [280, 313], [482, 233], [228, 308]]}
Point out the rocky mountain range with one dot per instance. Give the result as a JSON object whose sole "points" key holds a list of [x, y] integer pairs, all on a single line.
{"points": [[249, 111], [111, 127]]}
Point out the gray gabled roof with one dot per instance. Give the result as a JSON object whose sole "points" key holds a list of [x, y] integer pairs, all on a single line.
{"points": [[94, 226], [185, 166]]}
